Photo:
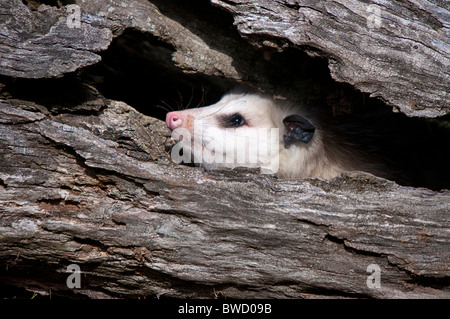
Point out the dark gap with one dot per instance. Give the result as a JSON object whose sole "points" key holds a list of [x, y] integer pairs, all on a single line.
{"points": [[34, 4], [340, 241], [58, 201], [118, 222], [436, 283], [334, 293], [54, 202], [188, 12], [14, 292], [58, 95], [90, 242], [25, 278], [137, 68]]}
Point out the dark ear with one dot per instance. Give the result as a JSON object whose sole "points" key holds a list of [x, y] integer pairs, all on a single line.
{"points": [[297, 129]]}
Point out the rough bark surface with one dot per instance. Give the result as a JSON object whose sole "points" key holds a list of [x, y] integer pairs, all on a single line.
{"points": [[37, 44], [393, 50], [69, 195], [87, 180], [398, 51]]}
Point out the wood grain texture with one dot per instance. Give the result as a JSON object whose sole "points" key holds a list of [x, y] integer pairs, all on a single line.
{"points": [[68, 195], [399, 51], [89, 181], [40, 44]]}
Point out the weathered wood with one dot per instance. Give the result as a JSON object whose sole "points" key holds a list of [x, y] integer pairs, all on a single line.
{"points": [[90, 182], [38, 44], [70, 196], [399, 51]]}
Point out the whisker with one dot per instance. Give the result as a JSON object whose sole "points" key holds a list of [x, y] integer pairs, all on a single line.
{"points": [[181, 104], [163, 108], [192, 97], [203, 97], [169, 106]]}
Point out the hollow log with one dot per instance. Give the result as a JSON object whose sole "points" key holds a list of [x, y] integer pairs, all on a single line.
{"points": [[70, 196], [87, 180]]}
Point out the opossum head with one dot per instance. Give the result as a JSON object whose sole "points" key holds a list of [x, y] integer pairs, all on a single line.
{"points": [[245, 129]]}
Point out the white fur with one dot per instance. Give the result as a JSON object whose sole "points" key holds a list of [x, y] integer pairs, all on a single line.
{"points": [[260, 111]]}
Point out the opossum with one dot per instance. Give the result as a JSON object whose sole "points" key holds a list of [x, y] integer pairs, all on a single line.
{"points": [[300, 147]]}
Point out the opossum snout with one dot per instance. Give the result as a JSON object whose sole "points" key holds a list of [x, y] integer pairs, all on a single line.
{"points": [[174, 120]]}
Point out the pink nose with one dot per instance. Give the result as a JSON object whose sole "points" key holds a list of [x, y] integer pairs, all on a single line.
{"points": [[174, 120]]}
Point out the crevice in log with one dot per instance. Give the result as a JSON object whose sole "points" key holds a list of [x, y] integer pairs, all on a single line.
{"points": [[431, 282], [333, 293], [57, 202], [90, 242], [342, 242], [359, 252], [34, 4], [78, 187], [424, 281], [169, 282], [137, 68], [104, 177], [67, 94]]}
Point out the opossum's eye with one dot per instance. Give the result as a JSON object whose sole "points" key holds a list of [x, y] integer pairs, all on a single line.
{"points": [[237, 120], [234, 120]]}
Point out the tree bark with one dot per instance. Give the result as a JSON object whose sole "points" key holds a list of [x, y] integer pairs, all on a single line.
{"points": [[89, 181], [70, 196], [41, 43], [398, 51]]}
